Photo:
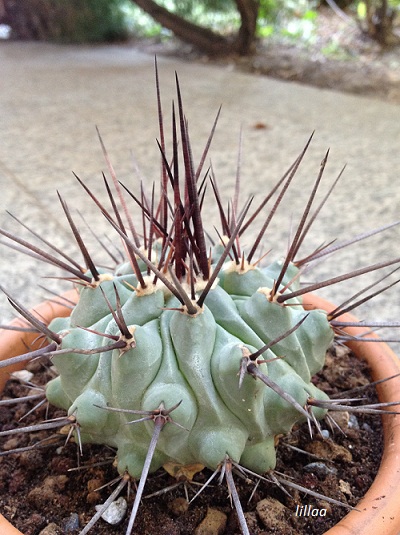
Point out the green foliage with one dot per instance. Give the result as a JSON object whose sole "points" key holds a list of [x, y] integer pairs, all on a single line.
{"points": [[188, 7], [275, 17], [140, 24], [287, 18], [361, 10], [72, 21], [89, 20], [220, 16]]}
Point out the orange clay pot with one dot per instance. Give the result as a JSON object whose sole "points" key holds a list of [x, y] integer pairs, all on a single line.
{"points": [[380, 507]]}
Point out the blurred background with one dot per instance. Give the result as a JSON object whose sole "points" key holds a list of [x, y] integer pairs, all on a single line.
{"points": [[82, 21]]}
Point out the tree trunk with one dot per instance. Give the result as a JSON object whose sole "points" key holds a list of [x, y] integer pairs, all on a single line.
{"points": [[380, 19], [203, 38], [248, 10]]}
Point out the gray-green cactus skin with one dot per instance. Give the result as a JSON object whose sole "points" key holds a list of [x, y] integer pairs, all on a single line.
{"points": [[192, 360]]}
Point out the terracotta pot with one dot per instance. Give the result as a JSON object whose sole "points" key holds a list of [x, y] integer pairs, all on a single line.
{"points": [[13, 343], [380, 507]]}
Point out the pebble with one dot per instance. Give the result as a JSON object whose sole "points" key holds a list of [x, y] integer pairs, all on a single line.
{"points": [[353, 422], [214, 523], [51, 529], [23, 375], [11, 444], [115, 512], [367, 427], [49, 491], [179, 506], [71, 523], [329, 450], [320, 469], [344, 486], [342, 418], [94, 484], [93, 497], [272, 514]]}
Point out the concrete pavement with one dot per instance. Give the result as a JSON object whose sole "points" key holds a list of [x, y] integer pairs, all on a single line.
{"points": [[51, 98]]}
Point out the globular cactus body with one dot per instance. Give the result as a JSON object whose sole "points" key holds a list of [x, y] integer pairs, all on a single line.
{"points": [[192, 360]]}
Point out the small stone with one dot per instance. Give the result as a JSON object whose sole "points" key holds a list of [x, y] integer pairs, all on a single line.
{"points": [[320, 469], [71, 523], [329, 450], [51, 529], [22, 375], [341, 351], [214, 523], [49, 491], [94, 484], [11, 444], [115, 512], [325, 433], [271, 512], [342, 418], [344, 486], [179, 506], [353, 422]]}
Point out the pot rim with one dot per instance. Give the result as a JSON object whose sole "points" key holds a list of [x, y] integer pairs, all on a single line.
{"points": [[379, 507]]}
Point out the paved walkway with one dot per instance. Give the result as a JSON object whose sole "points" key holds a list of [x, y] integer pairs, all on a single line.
{"points": [[51, 98]]}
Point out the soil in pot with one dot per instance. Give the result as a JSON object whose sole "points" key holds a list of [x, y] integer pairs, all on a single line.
{"points": [[41, 492]]}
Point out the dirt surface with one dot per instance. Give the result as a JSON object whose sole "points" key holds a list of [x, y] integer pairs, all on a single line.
{"points": [[41, 491], [339, 57]]}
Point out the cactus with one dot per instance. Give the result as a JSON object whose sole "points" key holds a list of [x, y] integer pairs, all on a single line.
{"points": [[171, 354], [184, 353]]}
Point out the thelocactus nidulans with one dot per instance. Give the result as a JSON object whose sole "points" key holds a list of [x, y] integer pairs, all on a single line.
{"points": [[190, 350]]}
